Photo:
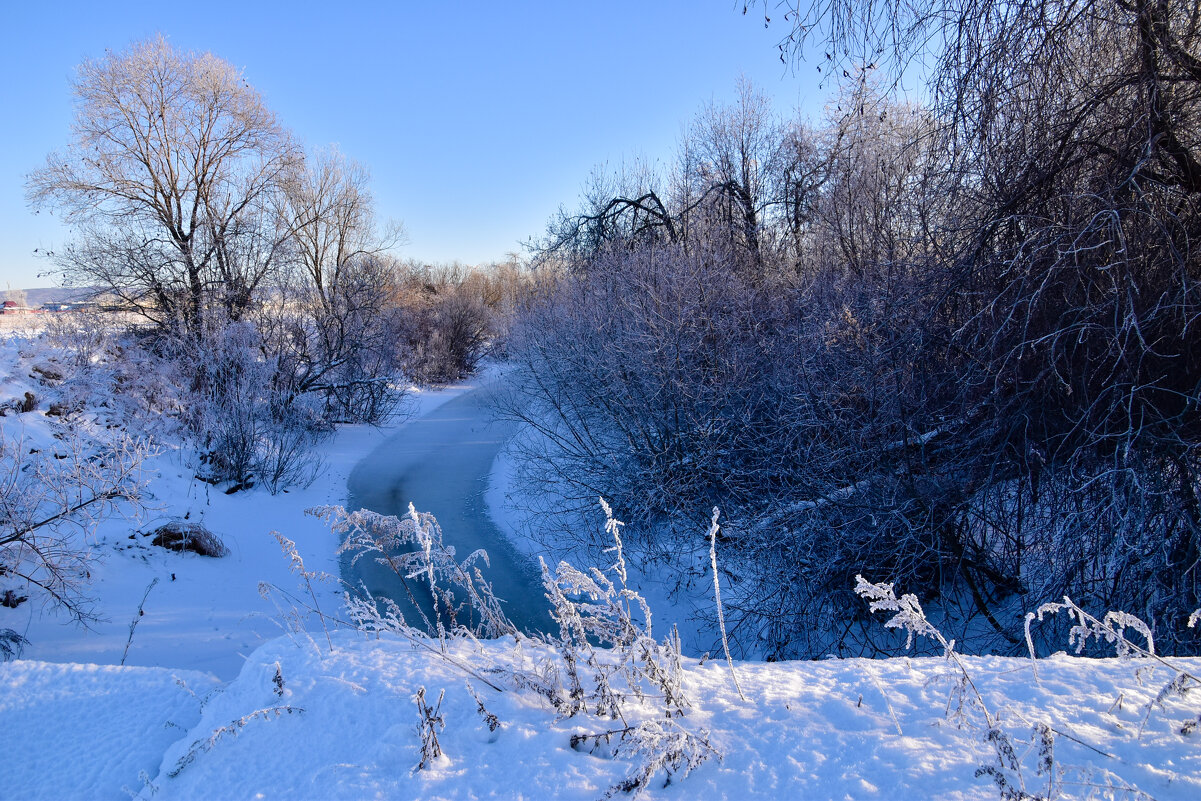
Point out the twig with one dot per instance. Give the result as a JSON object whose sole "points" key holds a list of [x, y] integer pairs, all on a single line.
{"points": [[721, 618], [133, 624]]}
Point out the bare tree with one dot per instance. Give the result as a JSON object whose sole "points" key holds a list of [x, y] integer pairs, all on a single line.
{"points": [[331, 214], [742, 177], [167, 178], [333, 333], [627, 204], [736, 162], [857, 216]]}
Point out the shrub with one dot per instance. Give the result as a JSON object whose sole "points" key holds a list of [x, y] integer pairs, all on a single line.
{"points": [[179, 535]]}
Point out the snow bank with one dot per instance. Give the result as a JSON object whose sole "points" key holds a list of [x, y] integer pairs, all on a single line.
{"points": [[300, 721], [344, 725]]}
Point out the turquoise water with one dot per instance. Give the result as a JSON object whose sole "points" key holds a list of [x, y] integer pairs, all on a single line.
{"points": [[440, 463]]}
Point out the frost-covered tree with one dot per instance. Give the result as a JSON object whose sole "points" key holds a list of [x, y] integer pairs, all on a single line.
{"points": [[168, 181], [193, 204], [332, 217], [334, 332]]}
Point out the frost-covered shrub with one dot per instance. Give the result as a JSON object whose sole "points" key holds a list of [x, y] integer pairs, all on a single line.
{"points": [[882, 341], [83, 335], [248, 420], [11, 645], [839, 437], [337, 345], [51, 500], [652, 378], [444, 333]]}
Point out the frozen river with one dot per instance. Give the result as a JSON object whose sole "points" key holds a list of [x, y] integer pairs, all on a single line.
{"points": [[440, 462]]}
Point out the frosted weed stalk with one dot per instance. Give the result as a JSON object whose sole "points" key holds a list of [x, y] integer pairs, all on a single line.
{"points": [[413, 549], [721, 617], [207, 744], [1112, 629], [1008, 771], [625, 661], [307, 576], [589, 607], [366, 613], [429, 723]]}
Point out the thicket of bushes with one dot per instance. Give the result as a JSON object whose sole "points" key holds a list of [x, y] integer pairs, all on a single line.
{"points": [[951, 345], [448, 316], [257, 395]]}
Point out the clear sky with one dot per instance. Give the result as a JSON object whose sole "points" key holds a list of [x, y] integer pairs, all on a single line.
{"points": [[476, 119]]}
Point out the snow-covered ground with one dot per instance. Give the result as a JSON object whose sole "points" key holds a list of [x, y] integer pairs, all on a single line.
{"points": [[214, 702], [344, 725]]}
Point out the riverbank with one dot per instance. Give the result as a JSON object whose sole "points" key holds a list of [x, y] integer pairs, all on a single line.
{"points": [[213, 704], [189, 611]]}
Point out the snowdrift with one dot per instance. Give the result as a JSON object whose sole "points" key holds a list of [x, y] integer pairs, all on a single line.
{"points": [[300, 721]]}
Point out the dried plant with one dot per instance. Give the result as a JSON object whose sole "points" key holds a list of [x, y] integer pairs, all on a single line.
{"points": [[412, 548], [429, 723]]}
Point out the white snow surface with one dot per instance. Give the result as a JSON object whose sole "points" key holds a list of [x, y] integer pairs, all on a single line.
{"points": [[88, 731], [344, 725], [198, 712]]}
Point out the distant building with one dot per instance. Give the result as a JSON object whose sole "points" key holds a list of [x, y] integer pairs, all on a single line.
{"points": [[12, 307]]}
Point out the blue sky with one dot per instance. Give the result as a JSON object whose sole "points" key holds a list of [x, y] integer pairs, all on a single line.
{"points": [[476, 120]]}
